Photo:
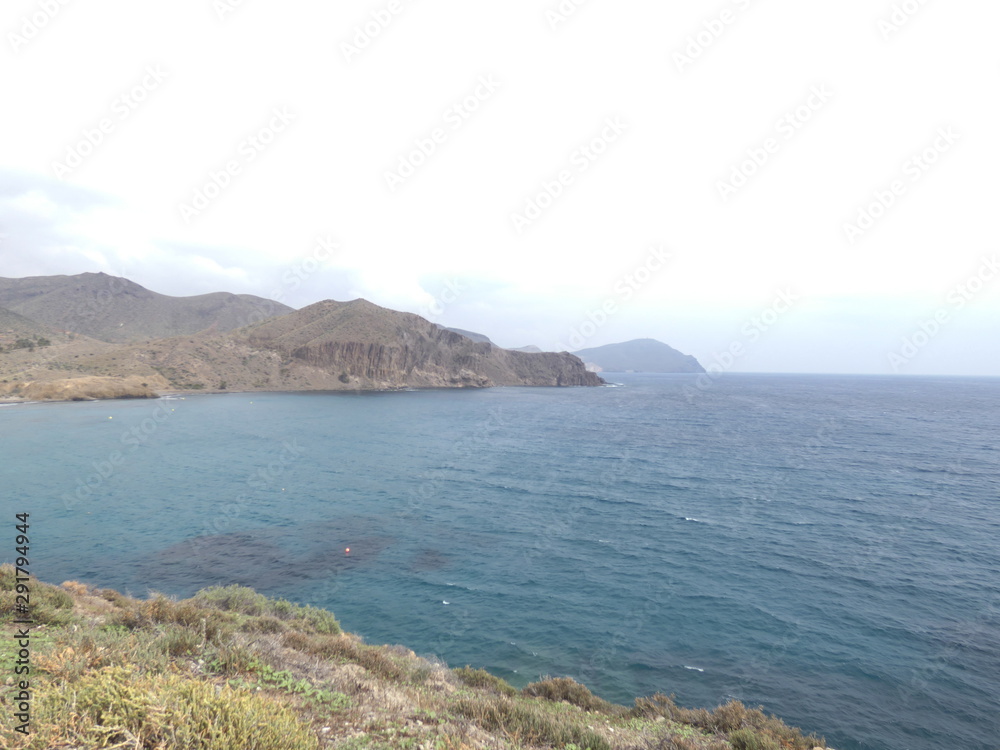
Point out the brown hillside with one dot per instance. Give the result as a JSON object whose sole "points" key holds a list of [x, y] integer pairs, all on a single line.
{"points": [[371, 346], [118, 310], [327, 346]]}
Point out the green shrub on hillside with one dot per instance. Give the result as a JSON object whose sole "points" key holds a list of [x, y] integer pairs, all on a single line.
{"points": [[246, 601], [569, 690], [480, 678]]}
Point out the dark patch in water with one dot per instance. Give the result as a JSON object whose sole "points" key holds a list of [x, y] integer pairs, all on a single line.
{"points": [[265, 559], [428, 560]]}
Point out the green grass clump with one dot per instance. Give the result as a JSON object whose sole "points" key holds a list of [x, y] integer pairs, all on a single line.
{"points": [[115, 707], [480, 678]]}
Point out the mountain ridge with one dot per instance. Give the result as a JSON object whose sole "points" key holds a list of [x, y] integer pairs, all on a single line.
{"points": [[329, 345], [117, 310]]}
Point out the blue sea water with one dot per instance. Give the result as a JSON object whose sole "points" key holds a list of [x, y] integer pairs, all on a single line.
{"points": [[826, 546]]}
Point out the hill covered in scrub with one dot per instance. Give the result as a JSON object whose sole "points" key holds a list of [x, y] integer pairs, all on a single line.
{"points": [[383, 348], [110, 308], [332, 346], [19, 332], [229, 668]]}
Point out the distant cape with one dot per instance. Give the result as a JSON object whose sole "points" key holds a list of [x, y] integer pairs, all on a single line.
{"points": [[639, 355]]}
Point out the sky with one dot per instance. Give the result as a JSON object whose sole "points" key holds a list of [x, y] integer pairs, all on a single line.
{"points": [[769, 185]]}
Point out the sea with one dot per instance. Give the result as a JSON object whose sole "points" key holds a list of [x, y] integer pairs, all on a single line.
{"points": [[827, 547]]}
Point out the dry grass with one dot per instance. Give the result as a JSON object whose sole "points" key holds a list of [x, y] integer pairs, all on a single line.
{"points": [[569, 690], [117, 707], [749, 727], [480, 678]]}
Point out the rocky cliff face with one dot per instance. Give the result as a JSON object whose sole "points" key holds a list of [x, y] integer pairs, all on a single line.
{"points": [[327, 346], [367, 346]]}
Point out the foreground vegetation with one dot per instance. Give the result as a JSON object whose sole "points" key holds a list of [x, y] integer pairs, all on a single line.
{"points": [[229, 668]]}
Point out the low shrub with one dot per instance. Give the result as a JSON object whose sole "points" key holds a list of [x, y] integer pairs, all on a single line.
{"points": [[569, 690], [528, 724], [480, 678], [264, 624], [180, 641], [233, 658], [655, 707], [345, 648], [734, 717], [298, 641], [47, 604], [246, 601], [748, 739]]}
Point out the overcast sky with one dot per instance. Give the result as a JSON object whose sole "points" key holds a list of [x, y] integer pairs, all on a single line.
{"points": [[770, 185]]}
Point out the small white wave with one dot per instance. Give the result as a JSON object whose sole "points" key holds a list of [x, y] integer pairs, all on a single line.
{"points": [[694, 520], [444, 602], [695, 669]]}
